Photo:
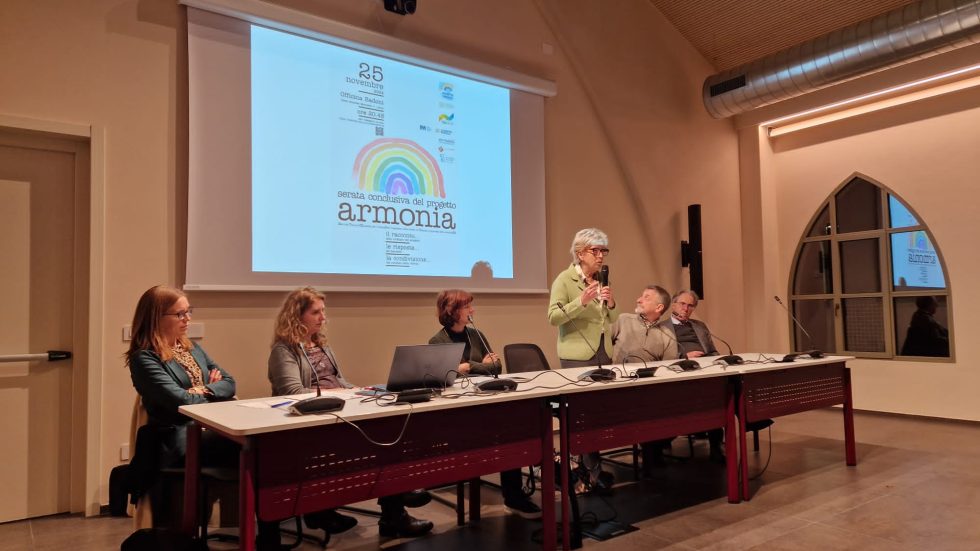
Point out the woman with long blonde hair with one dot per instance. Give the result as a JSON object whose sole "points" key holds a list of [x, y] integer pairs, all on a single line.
{"points": [[301, 360]]}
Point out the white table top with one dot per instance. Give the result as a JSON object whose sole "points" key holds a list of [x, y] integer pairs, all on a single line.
{"points": [[257, 416]]}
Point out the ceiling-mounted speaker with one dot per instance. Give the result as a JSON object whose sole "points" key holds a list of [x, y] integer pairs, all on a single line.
{"points": [[401, 7]]}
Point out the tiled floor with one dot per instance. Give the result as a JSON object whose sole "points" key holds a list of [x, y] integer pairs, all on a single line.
{"points": [[916, 486]]}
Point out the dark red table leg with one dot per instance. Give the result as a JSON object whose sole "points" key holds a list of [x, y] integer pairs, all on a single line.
{"points": [[849, 445], [460, 503], [742, 447], [475, 484], [549, 533], [567, 491], [192, 479], [731, 466], [246, 497]]}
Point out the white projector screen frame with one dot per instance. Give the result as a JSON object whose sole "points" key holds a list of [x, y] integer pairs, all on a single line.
{"points": [[219, 249]]}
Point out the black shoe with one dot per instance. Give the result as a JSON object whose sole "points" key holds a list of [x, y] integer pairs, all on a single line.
{"points": [[717, 456], [603, 484], [524, 508], [268, 537], [330, 521], [404, 526], [416, 498]]}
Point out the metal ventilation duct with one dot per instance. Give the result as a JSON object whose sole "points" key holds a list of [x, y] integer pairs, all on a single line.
{"points": [[918, 30]]}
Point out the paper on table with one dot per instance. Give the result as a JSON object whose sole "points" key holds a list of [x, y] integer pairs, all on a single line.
{"points": [[265, 404]]}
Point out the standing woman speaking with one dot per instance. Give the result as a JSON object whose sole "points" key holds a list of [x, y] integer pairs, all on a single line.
{"points": [[582, 309]]}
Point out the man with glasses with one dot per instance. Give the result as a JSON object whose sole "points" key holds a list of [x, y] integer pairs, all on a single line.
{"points": [[693, 341], [692, 336]]}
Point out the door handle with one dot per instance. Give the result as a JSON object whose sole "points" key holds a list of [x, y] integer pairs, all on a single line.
{"points": [[49, 356]]}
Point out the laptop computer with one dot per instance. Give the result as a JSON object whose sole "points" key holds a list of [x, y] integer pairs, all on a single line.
{"points": [[424, 366]]}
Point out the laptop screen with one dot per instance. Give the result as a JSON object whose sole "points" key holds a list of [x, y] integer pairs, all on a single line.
{"points": [[424, 366]]}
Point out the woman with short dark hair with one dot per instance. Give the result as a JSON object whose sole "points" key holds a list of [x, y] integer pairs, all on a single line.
{"points": [[454, 308]]}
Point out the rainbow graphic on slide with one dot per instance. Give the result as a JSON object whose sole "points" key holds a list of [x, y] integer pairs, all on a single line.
{"points": [[398, 167]]}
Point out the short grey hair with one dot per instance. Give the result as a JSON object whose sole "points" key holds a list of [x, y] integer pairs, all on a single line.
{"points": [[587, 238], [678, 294], [662, 295]]}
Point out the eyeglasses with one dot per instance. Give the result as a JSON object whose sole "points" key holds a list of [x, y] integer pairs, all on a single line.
{"points": [[183, 314], [596, 251], [686, 305]]}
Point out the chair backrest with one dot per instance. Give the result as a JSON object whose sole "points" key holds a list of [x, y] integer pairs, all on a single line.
{"points": [[523, 357]]}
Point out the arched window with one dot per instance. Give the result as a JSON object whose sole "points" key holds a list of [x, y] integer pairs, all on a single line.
{"points": [[868, 279]]}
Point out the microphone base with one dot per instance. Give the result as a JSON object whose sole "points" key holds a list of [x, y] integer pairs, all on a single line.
{"points": [[599, 374], [317, 404], [414, 396], [732, 359], [688, 365], [645, 372], [497, 385], [815, 354]]}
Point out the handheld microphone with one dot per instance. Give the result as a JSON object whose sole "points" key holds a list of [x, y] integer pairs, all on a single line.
{"points": [[496, 384], [603, 280], [599, 373], [731, 358], [813, 352]]}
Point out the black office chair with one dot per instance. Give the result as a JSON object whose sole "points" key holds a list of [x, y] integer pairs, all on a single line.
{"points": [[523, 357]]}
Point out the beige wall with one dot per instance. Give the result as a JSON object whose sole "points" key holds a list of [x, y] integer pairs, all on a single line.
{"points": [[628, 147], [926, 153]]}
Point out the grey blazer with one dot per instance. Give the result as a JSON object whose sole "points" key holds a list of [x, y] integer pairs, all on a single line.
{"points": [[700, 329], [291, 373]]}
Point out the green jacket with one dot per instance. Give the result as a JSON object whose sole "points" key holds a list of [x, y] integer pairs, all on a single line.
{"points": [[579, 327]]}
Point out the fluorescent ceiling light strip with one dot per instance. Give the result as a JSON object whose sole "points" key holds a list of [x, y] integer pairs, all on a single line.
{"points": [[876, 106], [774, 124]]}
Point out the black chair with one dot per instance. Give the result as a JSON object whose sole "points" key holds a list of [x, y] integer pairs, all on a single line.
{"points": [[523, 357], [165, 485]]}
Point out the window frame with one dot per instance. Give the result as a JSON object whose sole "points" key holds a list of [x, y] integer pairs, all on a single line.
{"points": [[886, 292]]}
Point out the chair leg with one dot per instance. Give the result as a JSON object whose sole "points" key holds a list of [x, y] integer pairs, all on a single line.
{"points": [[755, 440], [636, 461]]}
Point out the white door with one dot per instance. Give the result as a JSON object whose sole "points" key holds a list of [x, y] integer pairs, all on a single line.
{"points": [[37, 281]]}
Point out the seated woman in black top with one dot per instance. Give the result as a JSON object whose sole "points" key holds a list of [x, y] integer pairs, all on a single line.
{"points": [[455, 308]]}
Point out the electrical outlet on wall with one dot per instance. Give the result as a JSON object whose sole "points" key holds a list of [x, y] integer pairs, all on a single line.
{"points": [[124, 452]]}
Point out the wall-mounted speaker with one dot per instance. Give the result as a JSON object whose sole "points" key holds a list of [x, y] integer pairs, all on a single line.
{"points": [[691, 250]]}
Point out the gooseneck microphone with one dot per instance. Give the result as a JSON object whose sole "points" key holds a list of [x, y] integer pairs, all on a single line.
{"points": [[497, 368], [495, 384], [813, 352], [318, 403], [599, 373], [731, 358]]}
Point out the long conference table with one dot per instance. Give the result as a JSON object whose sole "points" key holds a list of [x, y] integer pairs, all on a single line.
{"points": [[290, 465]]}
